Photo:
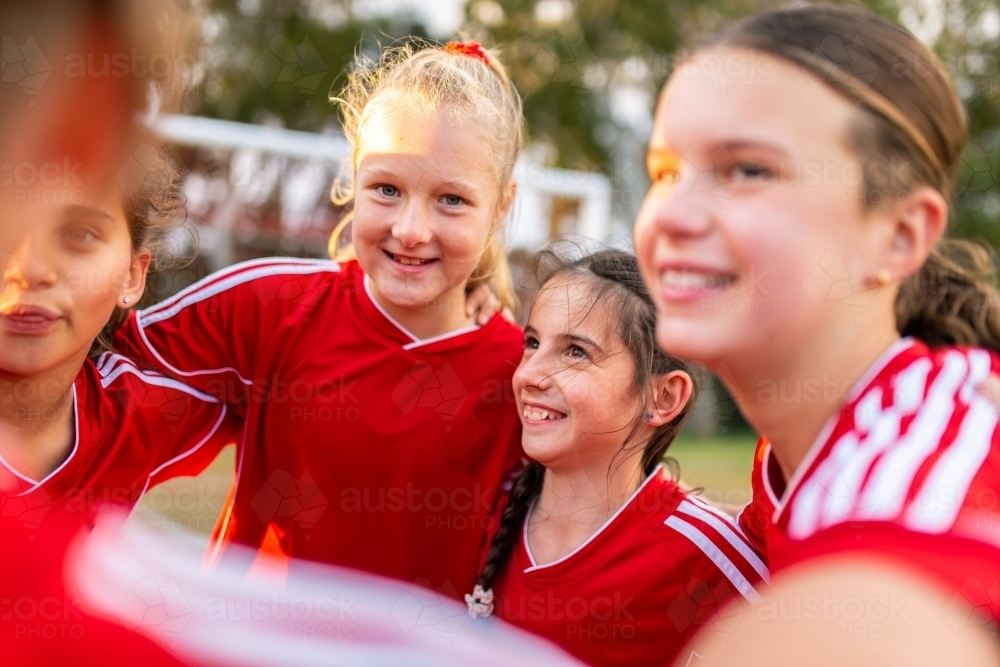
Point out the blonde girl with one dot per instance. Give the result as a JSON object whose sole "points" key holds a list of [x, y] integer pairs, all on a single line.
{"points": [[378, 429]]}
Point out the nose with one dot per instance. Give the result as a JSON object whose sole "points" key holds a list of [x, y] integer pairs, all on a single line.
{"points": [[533, 373], [685, 210], [412, 228], [30, 266]]}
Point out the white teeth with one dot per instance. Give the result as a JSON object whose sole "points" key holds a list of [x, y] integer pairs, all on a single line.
{"points": [[692, 279], [537, 414], [410, 261]]}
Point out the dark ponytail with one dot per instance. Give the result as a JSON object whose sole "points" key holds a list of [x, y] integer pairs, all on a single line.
{"points": [[616, 283], [952, 299]]}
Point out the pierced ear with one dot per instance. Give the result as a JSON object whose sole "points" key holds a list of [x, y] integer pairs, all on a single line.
{"points": [[671, 392], [916, 225], [135, 280]]}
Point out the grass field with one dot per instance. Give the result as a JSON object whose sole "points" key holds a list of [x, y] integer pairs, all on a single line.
{"points": [[719, 466]]}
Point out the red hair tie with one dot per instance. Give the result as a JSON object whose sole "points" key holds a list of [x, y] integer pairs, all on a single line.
{"points": [[474, 49]]}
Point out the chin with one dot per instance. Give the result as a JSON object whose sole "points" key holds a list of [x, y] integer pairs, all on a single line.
{"points": [[544, 452], [26, 365], [692, 342]]}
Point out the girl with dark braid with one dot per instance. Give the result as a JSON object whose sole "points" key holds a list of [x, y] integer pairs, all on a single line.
{"points": [[599, 550]]}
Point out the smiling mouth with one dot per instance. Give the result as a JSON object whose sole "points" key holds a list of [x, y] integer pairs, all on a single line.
{"points": [[408, 261], [695, 280], [533, 414]]}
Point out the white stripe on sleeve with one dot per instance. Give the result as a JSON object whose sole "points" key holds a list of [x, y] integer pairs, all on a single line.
{"points": [[715, 555], [150, 316], [728, 533]]}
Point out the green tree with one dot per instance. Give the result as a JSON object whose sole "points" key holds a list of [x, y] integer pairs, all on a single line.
{"points": [[277, 61]]}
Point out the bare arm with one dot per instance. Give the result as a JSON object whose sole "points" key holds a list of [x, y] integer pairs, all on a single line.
{"points": [[847, 611]]}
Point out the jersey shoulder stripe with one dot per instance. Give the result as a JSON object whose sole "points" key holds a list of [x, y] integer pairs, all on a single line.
{"points": [[727, 528], [115, 366], [228, 279], [906, 450], [718, 558]]}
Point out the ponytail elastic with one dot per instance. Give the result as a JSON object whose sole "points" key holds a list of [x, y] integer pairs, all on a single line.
{"points": [[472, 49]]}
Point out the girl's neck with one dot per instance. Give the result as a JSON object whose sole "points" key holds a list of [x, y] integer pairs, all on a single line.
{"points": [[36, 413], [442, 316], [789, 396], [574, 504]]}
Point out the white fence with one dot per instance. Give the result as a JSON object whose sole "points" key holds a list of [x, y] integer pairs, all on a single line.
{"points": [[319, 157]]}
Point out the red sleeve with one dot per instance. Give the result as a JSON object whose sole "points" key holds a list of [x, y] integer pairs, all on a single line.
{"points": [[42, 620], [212, 334], [169, 428], [967, 569], [755, 517]]}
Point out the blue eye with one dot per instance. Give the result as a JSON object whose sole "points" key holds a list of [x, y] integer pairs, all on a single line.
{"points": [[452, 200], [387, 190]]}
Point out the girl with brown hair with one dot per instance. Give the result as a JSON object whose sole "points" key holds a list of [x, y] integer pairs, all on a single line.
{"points": [[802, 163], [599, 549]]}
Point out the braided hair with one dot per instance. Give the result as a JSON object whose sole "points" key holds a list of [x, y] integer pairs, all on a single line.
{"points": [[616, 283]]}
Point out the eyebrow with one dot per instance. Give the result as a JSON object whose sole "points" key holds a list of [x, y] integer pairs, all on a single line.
{"points": [[94, 214], [457, 185], [379, 172], [660, 155], [570, 337]]}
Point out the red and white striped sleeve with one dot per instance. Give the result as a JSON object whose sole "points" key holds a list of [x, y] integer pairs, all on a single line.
{"points": [[718, 537], [210, 335], [912, 472], [171, 429]]}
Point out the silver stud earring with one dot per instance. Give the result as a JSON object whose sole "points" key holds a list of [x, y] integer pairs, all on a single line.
{"points": [[126, 299]]}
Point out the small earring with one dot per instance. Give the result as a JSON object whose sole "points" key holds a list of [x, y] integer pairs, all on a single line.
{"points": [[649, 416], [126, 299], [883, 277]]}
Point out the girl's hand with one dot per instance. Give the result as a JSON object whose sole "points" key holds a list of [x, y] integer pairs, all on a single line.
{"points": [[482, 304]]}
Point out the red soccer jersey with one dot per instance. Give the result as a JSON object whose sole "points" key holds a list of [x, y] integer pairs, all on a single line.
{"points": [[909, 468], [636, 591], [133, 429], [758, 513], [364, 446]]}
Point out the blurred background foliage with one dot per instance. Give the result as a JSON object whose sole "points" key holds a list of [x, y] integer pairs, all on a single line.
{"points": [[589, 71]]}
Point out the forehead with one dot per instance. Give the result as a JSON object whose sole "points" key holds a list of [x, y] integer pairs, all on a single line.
{"points": [[437, 139], [570, 304], [727, 95]]}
